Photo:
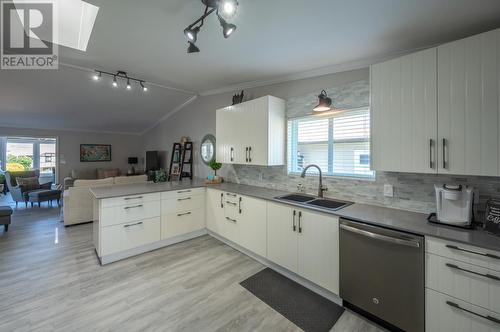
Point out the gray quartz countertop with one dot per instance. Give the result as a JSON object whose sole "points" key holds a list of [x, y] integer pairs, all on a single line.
{"points": [[401, 220]]}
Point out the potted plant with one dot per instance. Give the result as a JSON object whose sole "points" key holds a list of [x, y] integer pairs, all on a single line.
{"points": [[215, 166]]}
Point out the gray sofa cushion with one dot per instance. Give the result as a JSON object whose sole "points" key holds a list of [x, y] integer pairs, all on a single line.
{"points": [[5, 211]]}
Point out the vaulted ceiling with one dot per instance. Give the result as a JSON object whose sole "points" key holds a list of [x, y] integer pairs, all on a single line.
{"points": [[275, 40]]}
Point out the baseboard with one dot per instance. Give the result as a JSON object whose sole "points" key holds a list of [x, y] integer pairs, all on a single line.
{"points": [[150, 247], [289, 274]]}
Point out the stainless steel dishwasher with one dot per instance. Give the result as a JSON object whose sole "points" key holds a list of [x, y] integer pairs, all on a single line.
{"points": [[382, 273]]}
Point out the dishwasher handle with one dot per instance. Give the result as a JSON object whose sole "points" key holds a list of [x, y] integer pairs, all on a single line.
{"points": [[381, 237]]}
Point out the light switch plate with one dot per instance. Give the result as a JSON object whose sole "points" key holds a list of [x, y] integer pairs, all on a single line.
{"points": [[388, 190]]}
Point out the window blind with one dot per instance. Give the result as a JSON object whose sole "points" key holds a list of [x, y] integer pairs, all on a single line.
{"points": [[338, 144]]}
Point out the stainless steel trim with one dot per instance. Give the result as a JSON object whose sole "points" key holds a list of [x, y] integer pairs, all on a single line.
{"points": [[488, 317], [232, 220], [381, 237], [133, 207], [183, 199], [472, 252], [184, 191], [130, 198], [183, 214], [130, 225], [486, 275]]}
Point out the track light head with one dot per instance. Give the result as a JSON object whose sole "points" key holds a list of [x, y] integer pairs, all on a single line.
{"points": [[192, 48], [115, 83], [97, 76], [227, 8], [144, 88], [192, 34], [227, 28], [128, 84]]}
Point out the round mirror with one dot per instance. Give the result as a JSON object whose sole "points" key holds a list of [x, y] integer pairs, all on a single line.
{"points": [[207, 149]]}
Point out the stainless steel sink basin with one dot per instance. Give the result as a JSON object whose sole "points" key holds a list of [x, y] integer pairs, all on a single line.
{"points": [[314, 202], [329, 204]]}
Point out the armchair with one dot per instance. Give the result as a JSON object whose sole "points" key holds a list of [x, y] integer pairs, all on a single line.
{"points": [[19, 193]]}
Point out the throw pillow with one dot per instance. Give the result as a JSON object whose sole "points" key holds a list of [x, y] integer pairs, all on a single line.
{"points": [[28, 183]]}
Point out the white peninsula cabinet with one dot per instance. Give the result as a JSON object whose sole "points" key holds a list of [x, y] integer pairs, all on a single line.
{"points": [[438, 110], [252, 132], [304, 242]]}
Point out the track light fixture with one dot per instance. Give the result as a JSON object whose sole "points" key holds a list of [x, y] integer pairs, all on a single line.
{"points": [[120, 75], [224, 9]]}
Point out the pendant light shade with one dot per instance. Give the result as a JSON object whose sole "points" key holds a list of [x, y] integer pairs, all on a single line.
{"points": [[193, 48], [324, 103]]}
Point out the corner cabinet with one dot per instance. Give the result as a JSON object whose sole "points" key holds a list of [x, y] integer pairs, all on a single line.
{"points": [[252, 133]]}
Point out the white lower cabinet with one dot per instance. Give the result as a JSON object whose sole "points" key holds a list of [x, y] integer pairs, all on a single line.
{"points": [[215, 210], [305, 243], [126, 236], [182, 212], [445, 313]]}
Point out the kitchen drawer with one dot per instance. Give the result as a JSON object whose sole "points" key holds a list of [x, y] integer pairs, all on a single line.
{"points": [[181, 204], [174, 224], [124, 214], [443, 314], [182, 193], [130, 200], [467, 282], [461, 252], [126, 236], [231, 197], [231, 211]]}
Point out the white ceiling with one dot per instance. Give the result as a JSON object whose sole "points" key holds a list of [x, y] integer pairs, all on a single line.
{"points": [[274, 40]]}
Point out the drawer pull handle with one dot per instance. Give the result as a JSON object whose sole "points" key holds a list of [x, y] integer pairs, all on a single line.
{"points": [[130, 225], [488, 317], [133, 207], [294, 227], [183, 214], [232, 220], [183, 199], [231, 203], [487, 275], [239, 205], [232, 195], [472, 252], [184, 191], [130, 198], [221, 198]]}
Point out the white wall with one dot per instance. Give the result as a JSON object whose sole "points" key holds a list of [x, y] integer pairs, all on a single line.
{"points": [[122, 147], [198, 118]]}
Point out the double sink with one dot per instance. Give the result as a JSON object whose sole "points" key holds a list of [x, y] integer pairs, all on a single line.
{"points": [[314, 202]]}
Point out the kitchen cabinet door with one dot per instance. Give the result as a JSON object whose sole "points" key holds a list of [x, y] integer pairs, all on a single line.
{"points": [[281, 237], [318, 249], [229, 143], [253, 224], [215, 210], [468, 94], [404, 113]]}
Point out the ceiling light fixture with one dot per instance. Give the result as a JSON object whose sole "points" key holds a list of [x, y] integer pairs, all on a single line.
{"points": [[120, 75], [324, 103], [224, 9]]}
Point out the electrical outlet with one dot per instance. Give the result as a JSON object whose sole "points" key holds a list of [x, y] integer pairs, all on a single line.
{"points": [[388, 190]]}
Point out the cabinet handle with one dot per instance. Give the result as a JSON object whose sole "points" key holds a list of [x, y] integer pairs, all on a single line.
{"points": [[239, 205], [431, 143], [130, 198], [293, 221], [232, 154], [249, 154], [232, 220], [487, 275], [232, 195], [230, 203], [183, 199], [300, 221], [472, 252], [221, 200], [444, 154], [246, 154], [184, 191], [133, 207], [130, 225], [488, 317], [183, 214]]}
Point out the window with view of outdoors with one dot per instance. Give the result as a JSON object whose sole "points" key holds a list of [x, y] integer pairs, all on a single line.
{"points": [[23, 154], [338, 144]]}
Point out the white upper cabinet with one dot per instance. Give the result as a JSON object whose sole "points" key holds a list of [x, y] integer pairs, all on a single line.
{"points": [[404, 113], [468, 117], [252, 132], [438, 110]]}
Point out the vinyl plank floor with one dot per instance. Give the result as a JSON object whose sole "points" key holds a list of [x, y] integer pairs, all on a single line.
{"points": [[51, 280]]}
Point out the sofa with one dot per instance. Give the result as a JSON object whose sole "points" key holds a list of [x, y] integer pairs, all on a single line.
{"points": [[90, 174], [20, 193], [78, 205]]}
